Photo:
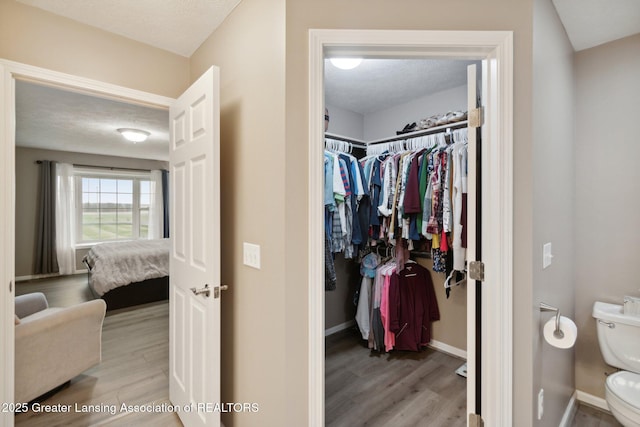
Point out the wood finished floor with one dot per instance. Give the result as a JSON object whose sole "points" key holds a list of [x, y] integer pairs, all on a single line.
{"points": [[588, 416], [62, 291], [403, 389], [362, 388], [134, 368]]}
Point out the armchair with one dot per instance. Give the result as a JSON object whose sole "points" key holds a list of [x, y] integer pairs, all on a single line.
{"points": [[53, 345]]}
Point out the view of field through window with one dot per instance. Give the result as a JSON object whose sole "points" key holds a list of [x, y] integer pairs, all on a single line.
{"points": [[114, 208]]}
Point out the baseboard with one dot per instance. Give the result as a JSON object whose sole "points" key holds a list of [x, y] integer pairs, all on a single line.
{"points": [[436, 345], [45, 276], [570, 412], [338, 328], [592, 400], [446, 348], [35, 276]]}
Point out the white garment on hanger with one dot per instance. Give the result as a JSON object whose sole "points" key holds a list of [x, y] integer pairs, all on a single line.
{"points": [[363, 317], [459, 187]]}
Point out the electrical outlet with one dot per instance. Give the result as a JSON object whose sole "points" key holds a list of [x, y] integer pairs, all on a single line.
{"points": [[251, 255], [540, 403]]}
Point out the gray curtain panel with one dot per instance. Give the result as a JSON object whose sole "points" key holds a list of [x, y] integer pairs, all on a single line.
{"points": [[165, 201], [46, 256]]}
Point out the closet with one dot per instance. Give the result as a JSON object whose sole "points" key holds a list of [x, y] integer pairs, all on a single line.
{"points": [[403, 159]]}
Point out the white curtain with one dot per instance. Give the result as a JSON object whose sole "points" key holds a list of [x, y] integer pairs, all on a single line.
{"points": [[156, 211], [65, 223]]}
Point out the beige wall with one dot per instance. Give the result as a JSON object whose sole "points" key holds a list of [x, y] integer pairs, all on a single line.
{"points": [[553, 189], [338, 304], [249, 49], [607, 234], [303, 15], [27, 194], [451, 329], [36, 37]]}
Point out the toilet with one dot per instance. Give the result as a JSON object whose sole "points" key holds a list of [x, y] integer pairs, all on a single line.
{"points": [[619, 339]]}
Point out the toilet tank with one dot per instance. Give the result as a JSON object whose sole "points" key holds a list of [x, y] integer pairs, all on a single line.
{"points": [[618, 336]]}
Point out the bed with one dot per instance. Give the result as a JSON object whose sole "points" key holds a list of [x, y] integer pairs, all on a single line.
{"points": [[129, 273]]}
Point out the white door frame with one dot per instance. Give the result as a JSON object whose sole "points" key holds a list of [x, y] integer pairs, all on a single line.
{"points": [[495, 48], [9, 72]]}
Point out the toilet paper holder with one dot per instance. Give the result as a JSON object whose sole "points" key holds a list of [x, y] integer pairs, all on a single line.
{"points": [[546, 307]]}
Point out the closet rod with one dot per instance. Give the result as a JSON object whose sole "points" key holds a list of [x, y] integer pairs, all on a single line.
{"points": [[422, 132], [354, 142]]}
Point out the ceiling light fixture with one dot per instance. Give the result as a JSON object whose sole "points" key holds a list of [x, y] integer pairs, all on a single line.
{"points": [[346, 63], [134, 135]]}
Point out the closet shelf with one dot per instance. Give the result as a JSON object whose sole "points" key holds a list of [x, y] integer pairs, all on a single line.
{"points": [[421, 132], [343, 138], [401, 137]]}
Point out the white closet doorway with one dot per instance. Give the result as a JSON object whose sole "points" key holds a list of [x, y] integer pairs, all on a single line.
{"points": [[415, 107], [490, 396]]}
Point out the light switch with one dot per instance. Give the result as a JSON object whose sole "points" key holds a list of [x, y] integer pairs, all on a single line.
{"points": [[547, 256], [251, 255]]}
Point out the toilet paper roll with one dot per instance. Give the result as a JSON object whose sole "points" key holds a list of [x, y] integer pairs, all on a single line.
{"points": [[568, 328]]}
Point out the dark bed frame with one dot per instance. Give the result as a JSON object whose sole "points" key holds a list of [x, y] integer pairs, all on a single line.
{"points": [[150, 290]]}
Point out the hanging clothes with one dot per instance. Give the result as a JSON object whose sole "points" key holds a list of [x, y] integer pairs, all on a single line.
{"points": [[421, 197], [347, 205], [400, 199], [395, 310], [413, 306], [401, 196], [368, 267], [330, 278], [347, 208]]}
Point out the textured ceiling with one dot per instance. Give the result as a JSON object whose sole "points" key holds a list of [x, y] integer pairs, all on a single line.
{"points": [[378, 84], [179, 26], [591, 23], [55, 119]]}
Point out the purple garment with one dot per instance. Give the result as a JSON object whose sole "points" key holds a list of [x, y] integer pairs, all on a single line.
{"points": [[412, 200], [412, 307]]}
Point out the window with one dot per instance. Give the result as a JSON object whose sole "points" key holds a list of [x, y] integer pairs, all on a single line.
{"points": [[112, 205]]}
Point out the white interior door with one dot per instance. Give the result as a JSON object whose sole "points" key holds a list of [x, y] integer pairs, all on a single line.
{"points": [[474, 299], [194, 357]]}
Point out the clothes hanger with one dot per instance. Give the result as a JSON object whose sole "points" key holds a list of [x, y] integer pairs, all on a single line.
{"points": [[447, 281], [387, 257]]}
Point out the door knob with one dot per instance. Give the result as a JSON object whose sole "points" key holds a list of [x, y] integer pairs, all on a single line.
{"points": [[217, 289], [206, 291]]}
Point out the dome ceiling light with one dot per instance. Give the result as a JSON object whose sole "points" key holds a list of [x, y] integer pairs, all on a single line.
{"points": [[134, 135], [346, 63]]}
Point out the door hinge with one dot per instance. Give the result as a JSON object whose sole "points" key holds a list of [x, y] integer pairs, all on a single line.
{"points": [[475, 420], [476, 270], [476, 117]]}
